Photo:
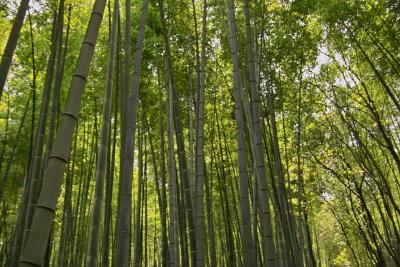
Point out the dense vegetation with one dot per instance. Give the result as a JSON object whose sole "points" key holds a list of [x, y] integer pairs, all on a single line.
{"points": [[200, 133]]}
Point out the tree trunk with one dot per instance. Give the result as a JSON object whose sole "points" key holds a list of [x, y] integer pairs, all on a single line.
{"points": [[139, 197], [201, 239], [164, 229], [110, 175], [173, 201], [35, 249], [125, 203], [93, 247], [34, 176], [179, 137], [8, 53], [248, 248]]}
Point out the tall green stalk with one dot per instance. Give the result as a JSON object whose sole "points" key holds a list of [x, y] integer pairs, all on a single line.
{"points": [[93, 246], [36, 244], [125, 194], [8, 53]]}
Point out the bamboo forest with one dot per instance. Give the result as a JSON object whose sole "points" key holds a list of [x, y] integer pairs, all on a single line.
{"points": [[195, 133]]}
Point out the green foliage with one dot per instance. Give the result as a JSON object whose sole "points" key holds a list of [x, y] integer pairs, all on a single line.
{"points": [[334, 71]]}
